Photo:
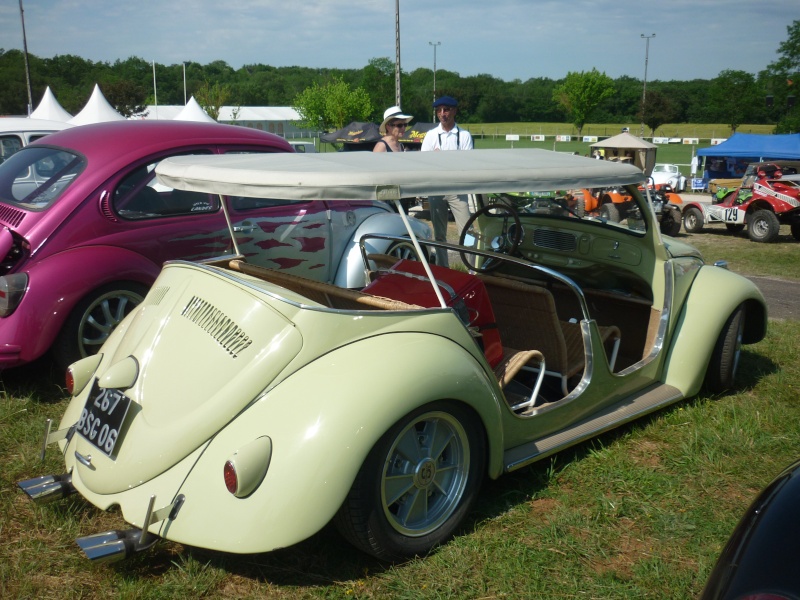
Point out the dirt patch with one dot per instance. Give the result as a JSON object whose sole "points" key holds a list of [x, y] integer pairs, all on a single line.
{"points": [[781, 296]]}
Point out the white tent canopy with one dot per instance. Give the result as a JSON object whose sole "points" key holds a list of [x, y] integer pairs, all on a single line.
{"points": [[49, 109], [97, 110], [624, 145], [377, 175], [193, 112]]}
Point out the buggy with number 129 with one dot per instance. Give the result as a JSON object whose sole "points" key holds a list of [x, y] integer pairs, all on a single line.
{"points": [[241, 408], [768, 198]]}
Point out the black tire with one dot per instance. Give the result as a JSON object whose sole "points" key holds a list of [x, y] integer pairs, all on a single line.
{"points": [[796, 231], [724, 361], [93, 319], [763, 226], [609, 212], [397, 526], [693, 220], [508, 242], [671, 222], [734, 227]]}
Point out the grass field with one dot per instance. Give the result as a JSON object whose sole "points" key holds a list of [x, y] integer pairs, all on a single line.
{"points": [[493, 135], [641, 512]]}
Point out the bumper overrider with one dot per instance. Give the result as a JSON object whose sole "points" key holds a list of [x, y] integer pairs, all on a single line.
{"points": [[108, 546]]}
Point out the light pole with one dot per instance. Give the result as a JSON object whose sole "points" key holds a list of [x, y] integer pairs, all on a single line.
{"points": [[644, 86], [397, 52], [434, 75], [25, 51]]}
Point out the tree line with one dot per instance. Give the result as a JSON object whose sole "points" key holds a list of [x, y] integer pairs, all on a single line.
{"points": [[733, 97]]}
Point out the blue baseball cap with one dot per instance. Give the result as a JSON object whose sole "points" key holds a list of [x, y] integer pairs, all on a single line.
{"points": [[445, 101]]}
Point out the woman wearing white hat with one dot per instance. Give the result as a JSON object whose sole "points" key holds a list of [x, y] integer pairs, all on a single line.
{"points": [[393, 126]]}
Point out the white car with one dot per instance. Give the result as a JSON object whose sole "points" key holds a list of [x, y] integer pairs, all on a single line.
{"points": [[17, 132], [304, 147], [669, 174]]}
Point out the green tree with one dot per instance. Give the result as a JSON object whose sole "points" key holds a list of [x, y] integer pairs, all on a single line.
{"points": [[212, 97], [378, 79], [581, 93], [734, 98], [783, 82], [657, 111], [332, 105], [126, 97]]}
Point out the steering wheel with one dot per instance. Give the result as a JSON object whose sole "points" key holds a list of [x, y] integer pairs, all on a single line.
{"points": [[473, 237]]}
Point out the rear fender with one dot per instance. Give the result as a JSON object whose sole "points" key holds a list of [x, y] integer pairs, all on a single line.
{"points": [[322, 422], [700, 322], [698, 205], [350, 273]]}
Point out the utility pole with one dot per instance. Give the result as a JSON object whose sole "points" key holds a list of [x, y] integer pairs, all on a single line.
{"points": [[434, 74], [397, 52], [25, 52], [644, 87]]}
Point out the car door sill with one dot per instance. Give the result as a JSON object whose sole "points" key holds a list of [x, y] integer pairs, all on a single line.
{"points": [[643, 402]]}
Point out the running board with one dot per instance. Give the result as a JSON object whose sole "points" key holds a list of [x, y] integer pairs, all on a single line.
{"points": [[47, 488], [630, 408]]}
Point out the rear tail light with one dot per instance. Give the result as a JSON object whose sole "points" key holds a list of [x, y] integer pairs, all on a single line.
{"points": [[246, 468], [231, 479], [12, 288], [80, 373]]}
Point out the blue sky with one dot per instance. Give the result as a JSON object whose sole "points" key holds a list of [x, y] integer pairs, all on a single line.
{"points": [[509, 39]]}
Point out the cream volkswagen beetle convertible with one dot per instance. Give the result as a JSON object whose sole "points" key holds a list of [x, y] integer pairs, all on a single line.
{"points": [[241, 409]]}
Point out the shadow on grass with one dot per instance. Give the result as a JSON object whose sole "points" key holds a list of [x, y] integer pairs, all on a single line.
{"points": [[40, 380]]}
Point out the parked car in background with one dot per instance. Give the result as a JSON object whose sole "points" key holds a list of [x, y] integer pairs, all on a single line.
{"points": [[86, 228], [18, 132], [241, 408], [769, 197], [760, 560], [670, 175], [303, 147]]}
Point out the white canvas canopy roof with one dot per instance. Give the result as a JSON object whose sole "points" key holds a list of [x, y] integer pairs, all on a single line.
{"points": [[385, 176], [616, 148], [50, 109], [193, 112], [97, 110]]}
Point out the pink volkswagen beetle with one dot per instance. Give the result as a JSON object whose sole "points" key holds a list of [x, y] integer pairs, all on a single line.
{"points": [[85, 227]]}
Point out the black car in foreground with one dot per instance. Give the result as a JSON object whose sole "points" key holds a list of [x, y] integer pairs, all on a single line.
{"points": [[761, 560]]}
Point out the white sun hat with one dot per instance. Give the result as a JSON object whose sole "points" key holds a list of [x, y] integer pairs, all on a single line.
{"points": [[393, 113]]}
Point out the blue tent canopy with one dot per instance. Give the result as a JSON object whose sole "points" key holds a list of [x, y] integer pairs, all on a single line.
{"points": [[756, 147], [730, 158]]}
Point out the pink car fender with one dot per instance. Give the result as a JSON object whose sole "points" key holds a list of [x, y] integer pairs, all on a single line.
{"points": [[55, 286]]}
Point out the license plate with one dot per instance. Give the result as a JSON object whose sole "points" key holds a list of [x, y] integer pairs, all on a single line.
{"points": [[102, 418]]}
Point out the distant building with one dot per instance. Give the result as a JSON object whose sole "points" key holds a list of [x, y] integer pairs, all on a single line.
{"points": [[274, 119]]}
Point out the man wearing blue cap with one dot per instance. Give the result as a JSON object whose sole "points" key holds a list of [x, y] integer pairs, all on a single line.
{"points": [[447, 136]]}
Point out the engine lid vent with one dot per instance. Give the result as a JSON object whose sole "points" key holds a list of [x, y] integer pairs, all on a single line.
{"points": [[10, 215]]}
